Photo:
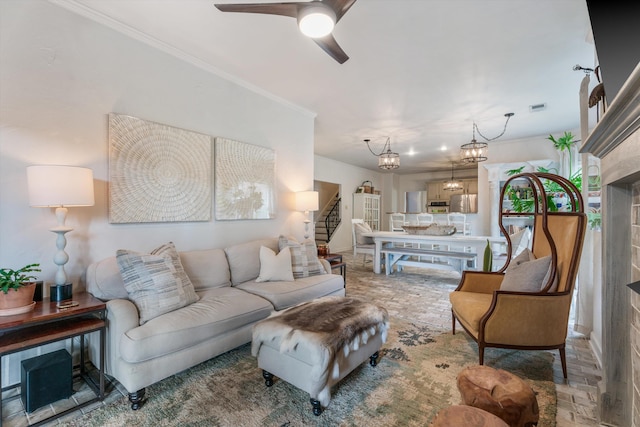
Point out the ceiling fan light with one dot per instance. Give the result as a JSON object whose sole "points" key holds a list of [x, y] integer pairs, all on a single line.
{"points": [[316, 21]]}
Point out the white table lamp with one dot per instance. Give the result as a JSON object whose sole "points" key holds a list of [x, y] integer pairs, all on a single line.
{"points": [[60, 187], [306, 201]]}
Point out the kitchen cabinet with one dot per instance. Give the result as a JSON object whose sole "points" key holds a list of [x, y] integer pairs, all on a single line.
{"points": [[367, 207]]}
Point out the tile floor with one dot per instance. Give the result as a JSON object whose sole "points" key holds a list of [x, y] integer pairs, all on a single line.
{"points": [[576, 396]]}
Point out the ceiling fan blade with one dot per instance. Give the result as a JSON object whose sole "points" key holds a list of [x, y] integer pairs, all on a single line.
{"points": [[283, 9], [330, 45], [340, 7]]}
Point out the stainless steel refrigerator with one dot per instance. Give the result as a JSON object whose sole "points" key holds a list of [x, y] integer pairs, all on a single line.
{"points": [[415, 202], [464, 203]]}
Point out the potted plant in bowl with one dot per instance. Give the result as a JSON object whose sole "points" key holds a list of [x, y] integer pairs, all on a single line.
{"points": [[17, 288]]}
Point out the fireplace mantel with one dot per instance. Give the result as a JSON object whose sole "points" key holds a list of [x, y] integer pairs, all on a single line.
{"points": [[620, 121]]}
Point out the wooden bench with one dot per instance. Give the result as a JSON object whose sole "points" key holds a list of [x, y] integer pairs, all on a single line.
{"points": [[402, 257]]}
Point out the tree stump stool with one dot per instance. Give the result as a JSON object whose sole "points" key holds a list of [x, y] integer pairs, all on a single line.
{"points": [[467, 416], [501, 393]]}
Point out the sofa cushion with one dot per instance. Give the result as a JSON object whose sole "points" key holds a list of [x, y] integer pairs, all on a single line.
{"points": [[156, 283], [286, 294], [275, 267], [244, 259], [218, 311], [206, 268], [304, 257]]}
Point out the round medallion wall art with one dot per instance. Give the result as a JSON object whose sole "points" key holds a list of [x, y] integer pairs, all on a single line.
{"points": [[157, 173]]}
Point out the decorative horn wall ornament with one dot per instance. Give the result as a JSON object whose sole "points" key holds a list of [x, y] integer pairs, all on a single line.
{"points": [[387, 160], [316, 19], [474, 151]]}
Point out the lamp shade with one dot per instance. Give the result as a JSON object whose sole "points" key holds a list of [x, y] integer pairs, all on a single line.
{"points": [[51, 185], [307, 201]]}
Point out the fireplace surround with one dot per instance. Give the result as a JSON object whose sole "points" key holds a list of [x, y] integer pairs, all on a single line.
{"points": [[616, 141]]}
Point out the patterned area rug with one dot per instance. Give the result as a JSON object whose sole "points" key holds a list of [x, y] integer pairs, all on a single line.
{"points": [[414, 379]]}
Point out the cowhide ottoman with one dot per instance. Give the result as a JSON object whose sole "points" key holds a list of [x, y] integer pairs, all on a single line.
{"points": [[316, 344], [501, 393]]}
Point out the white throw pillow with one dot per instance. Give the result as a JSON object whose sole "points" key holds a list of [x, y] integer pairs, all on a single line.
{"points": [[275, 267]]}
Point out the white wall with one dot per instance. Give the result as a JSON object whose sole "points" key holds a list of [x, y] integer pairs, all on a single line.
{"points": [[60, 76], [349, 178]]}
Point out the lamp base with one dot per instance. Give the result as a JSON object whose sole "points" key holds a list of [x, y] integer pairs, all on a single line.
{"points": [[61, 292]]}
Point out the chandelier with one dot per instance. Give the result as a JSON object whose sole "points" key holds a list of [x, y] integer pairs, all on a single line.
{"points": [[387, 160], [452, 185], [474, 151]]}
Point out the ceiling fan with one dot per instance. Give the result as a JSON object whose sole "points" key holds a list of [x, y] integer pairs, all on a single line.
{"points": [[316, 19]]}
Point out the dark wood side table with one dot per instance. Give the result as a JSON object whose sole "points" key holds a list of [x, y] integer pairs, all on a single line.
{"points": [[335, 260], [47, 324]]}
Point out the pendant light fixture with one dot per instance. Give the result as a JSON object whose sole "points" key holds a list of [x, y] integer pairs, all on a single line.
{"points": [[452, 184], [475, 151], [387, 160]]}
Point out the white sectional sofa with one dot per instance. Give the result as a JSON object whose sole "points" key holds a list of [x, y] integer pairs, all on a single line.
{"points": [[231, 302]]}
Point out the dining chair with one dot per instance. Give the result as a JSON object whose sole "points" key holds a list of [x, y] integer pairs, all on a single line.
{"points": [[424, 218], [396, 221], [361, 244]]}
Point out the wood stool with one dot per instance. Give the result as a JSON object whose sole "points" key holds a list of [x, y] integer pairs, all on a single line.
{"points": [[501, 393], [467, 416]]}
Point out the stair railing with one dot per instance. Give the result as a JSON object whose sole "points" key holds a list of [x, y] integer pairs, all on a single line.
{"points": [[332, 220]]}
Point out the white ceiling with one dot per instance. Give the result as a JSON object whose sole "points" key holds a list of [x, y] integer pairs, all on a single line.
{"points": [[420, 71]]}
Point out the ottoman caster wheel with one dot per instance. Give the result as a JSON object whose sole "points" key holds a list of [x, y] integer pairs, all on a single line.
{"points": [[373, 359], [268, 378], [317, 407]]}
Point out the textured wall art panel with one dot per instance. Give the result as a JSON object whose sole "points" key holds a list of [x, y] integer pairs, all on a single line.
{"points": [[157, 173], [245, 181]]}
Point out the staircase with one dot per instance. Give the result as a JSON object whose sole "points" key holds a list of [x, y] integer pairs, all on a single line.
{"points": [[328, 220]]}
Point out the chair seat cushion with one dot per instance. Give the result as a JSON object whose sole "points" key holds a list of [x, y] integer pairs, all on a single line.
{"points": [[469, 307]]}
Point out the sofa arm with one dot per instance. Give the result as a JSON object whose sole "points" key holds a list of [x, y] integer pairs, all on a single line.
{"points": [[122, 316]]}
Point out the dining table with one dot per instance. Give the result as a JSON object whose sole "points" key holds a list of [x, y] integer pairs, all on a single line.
{"points": [[454, 243]]}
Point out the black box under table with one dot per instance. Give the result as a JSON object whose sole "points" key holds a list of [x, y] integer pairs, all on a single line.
{"points": [[46, 379]]}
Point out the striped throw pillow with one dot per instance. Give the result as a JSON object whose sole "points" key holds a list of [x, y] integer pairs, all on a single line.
{"points": [[304, 257]]}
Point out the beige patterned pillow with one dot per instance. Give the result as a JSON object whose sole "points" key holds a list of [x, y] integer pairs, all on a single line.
{"points": [[304, 257], [153, 282], [187, 290]]}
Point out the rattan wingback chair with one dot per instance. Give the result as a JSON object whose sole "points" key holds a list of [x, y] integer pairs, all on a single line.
{"points": [[535, 320]]}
